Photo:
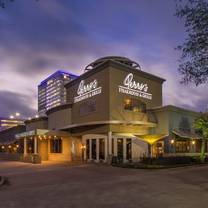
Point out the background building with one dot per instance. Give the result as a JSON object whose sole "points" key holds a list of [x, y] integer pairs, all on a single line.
{"points": [[51, 91], [6, 123]]}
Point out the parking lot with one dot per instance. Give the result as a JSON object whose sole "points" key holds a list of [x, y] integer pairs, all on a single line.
{"points": [[88, 185]]}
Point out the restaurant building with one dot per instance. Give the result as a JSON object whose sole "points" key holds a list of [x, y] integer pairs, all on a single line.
{"points": [[113, 109]]}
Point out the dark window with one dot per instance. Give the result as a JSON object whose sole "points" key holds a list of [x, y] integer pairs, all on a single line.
{"points": [[88, 149], [87, 107], [101, 149], [94, 149], [56, 145], [128, 149], [182, 146], [120, 148], [134, 105], [112, 146]]}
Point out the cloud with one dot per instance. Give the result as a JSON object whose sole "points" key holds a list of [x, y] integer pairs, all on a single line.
{"points": [[15, 102], [38, 38]]}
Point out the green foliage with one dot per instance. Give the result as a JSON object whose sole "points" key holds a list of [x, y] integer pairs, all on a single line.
{"points": [[193, 63], [201, 124]]}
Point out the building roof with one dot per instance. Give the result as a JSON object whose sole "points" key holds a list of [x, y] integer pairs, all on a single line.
{"points": [[173, 108], [56, 74], [119, 65], [119, 59]]}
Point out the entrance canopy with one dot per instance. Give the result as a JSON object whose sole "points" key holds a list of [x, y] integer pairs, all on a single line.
{"points": [[152, 138], [42, 132]]}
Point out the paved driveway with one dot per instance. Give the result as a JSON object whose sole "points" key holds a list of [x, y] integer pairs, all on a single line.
{"points": [[63, 185]]}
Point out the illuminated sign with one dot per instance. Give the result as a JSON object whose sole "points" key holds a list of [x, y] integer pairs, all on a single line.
{"points": [[134, 88], [87, 91]]}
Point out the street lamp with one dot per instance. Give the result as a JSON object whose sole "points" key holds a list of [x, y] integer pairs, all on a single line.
{"points": [[11, 116], [17, 114]]}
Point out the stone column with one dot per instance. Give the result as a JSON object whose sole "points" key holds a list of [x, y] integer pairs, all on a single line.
{"points": [[97, 150], [35, 145], [110, 142], [124, 149], [25, 146]]}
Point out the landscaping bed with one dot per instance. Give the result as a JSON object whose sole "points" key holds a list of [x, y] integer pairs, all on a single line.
{"points": [[160, 163]]}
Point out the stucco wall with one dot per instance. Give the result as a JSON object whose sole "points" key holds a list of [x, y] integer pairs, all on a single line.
{"points": [[117, 112], [59, 119], [37, 124]]}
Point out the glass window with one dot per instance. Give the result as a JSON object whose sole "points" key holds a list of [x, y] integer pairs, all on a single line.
{"points": [[101, 149], [120, 148], [112, 140], [128, 149], [94, 149], [88, 149], [134, 105], [56, 145], [182, 146]]}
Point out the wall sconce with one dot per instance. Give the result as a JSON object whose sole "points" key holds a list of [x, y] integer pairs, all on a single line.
{"points": [[193, 142], [83, 147], [172, 141]]}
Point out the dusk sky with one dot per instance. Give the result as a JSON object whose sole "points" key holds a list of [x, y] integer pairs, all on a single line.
{"points": [[38, 38]]}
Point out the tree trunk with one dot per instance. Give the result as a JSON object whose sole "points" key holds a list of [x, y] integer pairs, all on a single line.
{"points": [[202, 155]]}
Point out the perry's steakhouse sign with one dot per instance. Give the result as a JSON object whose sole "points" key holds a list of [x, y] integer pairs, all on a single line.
{"points": [[86, 91], [134, 88]]}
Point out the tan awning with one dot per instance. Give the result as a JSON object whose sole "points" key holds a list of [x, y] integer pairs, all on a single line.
{"points": [[42, 132], [58, 133], [152, 138]]}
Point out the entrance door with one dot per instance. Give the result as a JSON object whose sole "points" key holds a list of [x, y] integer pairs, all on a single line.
{"points": [[94, 149], [120, 148], [101, 149], [128, 149], [88, 149]]}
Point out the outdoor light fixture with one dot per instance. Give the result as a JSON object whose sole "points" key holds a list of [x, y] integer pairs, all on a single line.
{"points": [[11, 117], [17, 114], [172, 141], [17, 145], [83, 147], [193, 142], [9, 146], [2, 147]]}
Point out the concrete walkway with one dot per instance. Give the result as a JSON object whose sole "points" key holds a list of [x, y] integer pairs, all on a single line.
{"points": [[64, 185]]}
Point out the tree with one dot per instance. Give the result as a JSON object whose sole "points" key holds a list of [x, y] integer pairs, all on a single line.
{"points": [[201, 125], [3, 3], [193, 63]]}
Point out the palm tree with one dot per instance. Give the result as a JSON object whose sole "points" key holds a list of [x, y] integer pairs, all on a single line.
{"points": [[201, 125]]}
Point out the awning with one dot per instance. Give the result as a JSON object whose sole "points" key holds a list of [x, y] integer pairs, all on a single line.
{"points": [[42, 132], [186, 134], [152, 138], [124, 135]]}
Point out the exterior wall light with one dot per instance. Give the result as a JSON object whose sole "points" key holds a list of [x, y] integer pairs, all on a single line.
{"points": [[9, 146], [83, 147], [172, 141], [193, 142]]}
